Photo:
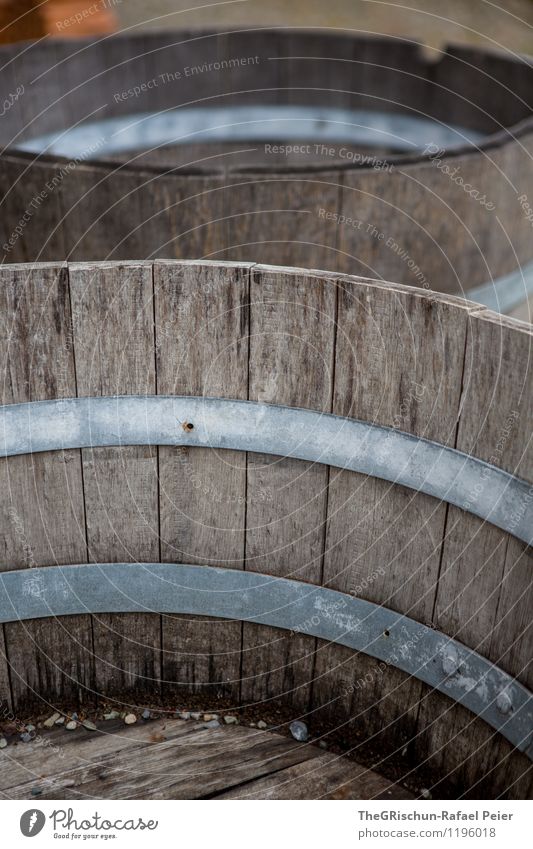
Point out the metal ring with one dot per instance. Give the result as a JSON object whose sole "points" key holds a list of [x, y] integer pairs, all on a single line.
{"points": [[149, 130], [401, 458], [428, 655]]}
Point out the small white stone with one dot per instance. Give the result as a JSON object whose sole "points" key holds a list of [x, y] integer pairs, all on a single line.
{"points": [[60, 721], [322, 744], [231, 720], [425, 793], [113, 714], [72, 725], [90, 726], [213, 723], [49, 723], [209, 717], [3, 742], [184, 714], [196, 716], [130, 719], [262, 724]]}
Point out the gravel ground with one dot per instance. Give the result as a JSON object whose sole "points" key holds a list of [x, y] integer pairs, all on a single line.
{"points": [[506, 24]]}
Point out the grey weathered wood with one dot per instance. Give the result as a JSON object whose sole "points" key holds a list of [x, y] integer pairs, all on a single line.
{"points": [[327, 777], [140, 210], [291, 362], [485, 584], [202, 321], [170, 759], [383, 542], [428, 364], [41, 500], [112, 309]]}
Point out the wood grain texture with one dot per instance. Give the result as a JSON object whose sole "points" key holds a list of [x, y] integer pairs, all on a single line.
{"points": [[427, 364], [261, 205], [291, 362], [485, 588], [171, 759], [202, 321], [383, 541], [112, 307], [41, 498]]}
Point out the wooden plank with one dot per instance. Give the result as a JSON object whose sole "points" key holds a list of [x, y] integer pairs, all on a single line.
{"points": [[41, 497], [383, 541], [325, 777], [112, 308], [193, 765], [277, 219], [485, 587], [291, 361], [202, 321], [58, 755]]}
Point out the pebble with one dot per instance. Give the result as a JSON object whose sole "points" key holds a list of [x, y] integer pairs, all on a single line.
{"points": [[184, 714], [209, 717], [262, 724], [30, 728], [299, 731], [231, 720], [113, 714], [425, 793], [49, 723], [3, 742], [60, 721], [212, 723], [25, 737], [130, 719], [196, 716], [74, 716], [146, 715], [36, 791], [90, 726], [71, 725], [322, 744]]}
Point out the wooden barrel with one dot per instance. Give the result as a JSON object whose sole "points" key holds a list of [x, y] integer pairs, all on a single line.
{"points": [[304, 148], [247, 484]]}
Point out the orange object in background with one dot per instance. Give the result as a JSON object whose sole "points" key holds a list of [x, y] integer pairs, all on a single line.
{"points": [[26, 19]]}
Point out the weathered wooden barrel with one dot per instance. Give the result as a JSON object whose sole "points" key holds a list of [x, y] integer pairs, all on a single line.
{"points": [[315, 149], [271, 486]]}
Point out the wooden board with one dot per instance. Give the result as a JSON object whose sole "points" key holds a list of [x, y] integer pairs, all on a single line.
{"points": [[112, 308], [485, 589], [171, 759], [383, 541], [291, 362], [202, 320], [41, 499]]}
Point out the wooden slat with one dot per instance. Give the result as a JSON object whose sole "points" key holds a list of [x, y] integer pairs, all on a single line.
{"points": [[383, 541], [326, 777], [193, 765], [170, 759], [291, 362], [41, 498], [112, 310], [485, 587], [202, 320]]}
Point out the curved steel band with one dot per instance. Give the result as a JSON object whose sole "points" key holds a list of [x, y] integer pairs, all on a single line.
{"points": [[439, 661], [401, 458], [275, 123]]}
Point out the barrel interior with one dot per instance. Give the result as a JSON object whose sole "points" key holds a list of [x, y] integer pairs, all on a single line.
{"points": [[427, 365]]}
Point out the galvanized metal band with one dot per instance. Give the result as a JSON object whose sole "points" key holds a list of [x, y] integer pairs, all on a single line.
{"points": [[261, 124], [505, 293], [401, 458], [428, 655]]}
